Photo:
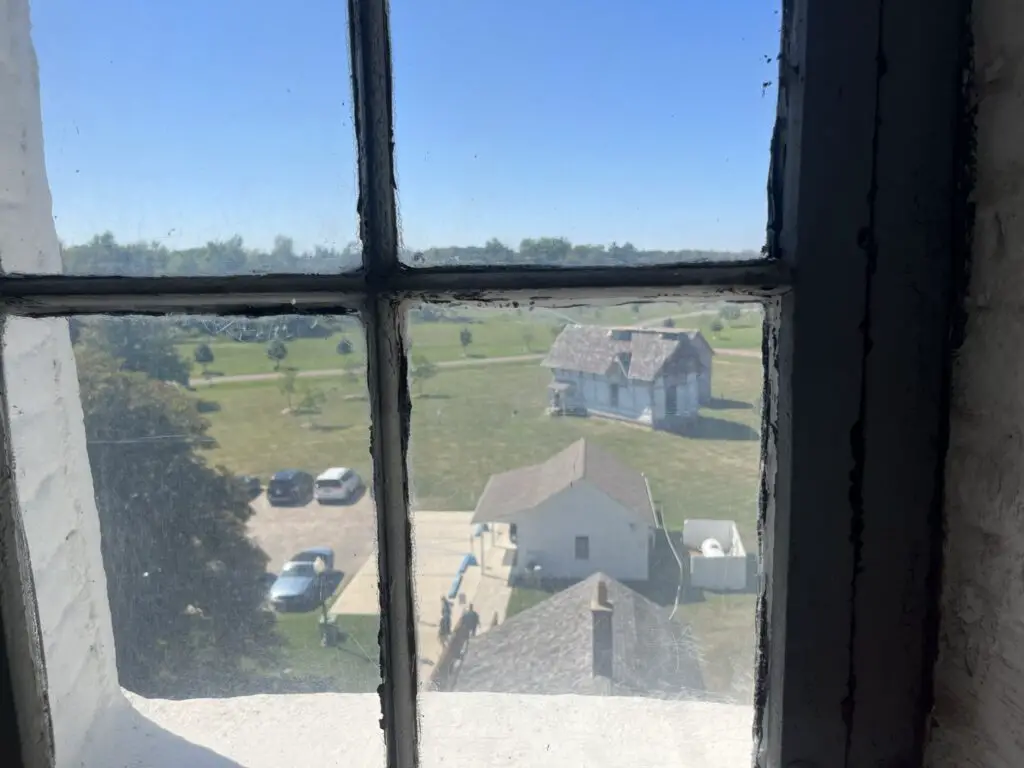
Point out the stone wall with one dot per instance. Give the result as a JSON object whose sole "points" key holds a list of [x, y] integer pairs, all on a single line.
{"points": [[53, 481], [978, 718]]}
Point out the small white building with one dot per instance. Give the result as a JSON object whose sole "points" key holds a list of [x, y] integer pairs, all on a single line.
{"points": [[717, 557], [580, 512], [654, 376]]}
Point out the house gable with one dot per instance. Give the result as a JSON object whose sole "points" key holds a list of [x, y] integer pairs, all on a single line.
{"points": [[508, 495]]}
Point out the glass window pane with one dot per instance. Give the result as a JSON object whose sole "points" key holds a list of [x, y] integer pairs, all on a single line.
{"points": [[585, 504], [582, 133], [183, 548], [198, 138]]}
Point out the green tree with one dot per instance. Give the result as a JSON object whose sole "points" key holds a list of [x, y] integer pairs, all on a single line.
{"points": [[139, 344], [203, 355], [183, 579], [344, 346], [716, 326], [465, 339], [668, 322], [527, 334], [277, 351], [730, 313], [422, 369], [287, 385]]}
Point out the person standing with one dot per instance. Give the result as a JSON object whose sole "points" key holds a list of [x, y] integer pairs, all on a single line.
{"points": [[472, 619], [444, 628]]}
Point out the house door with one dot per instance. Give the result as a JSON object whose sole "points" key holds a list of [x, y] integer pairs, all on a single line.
{"points": [[671, 403]]}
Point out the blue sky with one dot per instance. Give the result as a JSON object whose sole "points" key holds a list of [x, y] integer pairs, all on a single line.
{"points": [[595, 120]]}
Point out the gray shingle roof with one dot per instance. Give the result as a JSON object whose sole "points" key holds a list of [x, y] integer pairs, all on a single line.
{"points": [[641, 352], [510, 493], [548, 649]]}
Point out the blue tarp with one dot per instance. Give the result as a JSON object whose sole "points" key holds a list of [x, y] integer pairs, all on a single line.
{"points": [[480, 529], [456, 583], [468, 560]]}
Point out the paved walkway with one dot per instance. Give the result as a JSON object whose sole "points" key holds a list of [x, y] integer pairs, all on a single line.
{"points": [[441, 541]]}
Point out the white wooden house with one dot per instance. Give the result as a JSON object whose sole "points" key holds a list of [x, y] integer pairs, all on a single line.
{"points": [[654, 376], [580, 512]]}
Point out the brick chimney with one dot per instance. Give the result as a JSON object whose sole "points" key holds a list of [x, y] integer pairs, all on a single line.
{"points": [[601, 622]]}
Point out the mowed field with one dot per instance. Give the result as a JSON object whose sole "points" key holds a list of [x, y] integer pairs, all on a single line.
{"points": [[495, 334], [472, 422]]}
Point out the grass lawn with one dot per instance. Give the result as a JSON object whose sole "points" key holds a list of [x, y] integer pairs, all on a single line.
{"points": [[523, 598], [496, 333], [472, 422], [503, 336], [344, 668]]}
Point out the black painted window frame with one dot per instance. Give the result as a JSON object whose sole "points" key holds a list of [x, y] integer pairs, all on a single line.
{"points": [[867, 236]]}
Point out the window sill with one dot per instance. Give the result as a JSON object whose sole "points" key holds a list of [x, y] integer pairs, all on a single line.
{"points": [[458, 729]]}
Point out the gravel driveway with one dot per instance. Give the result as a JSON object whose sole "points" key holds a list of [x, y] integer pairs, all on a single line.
{"points": [[283, 531]]}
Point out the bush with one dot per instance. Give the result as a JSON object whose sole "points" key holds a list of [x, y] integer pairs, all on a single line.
{"points": [[277, 351], [344, 347], [203, 355], [730, 312]]}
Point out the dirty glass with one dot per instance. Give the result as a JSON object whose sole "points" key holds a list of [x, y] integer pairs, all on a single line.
{"points": [[196, 444], [583, 134], [569, 542], [194, 138]]}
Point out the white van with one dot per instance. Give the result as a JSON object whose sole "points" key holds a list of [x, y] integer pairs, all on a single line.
{"points": [[336, 484]]}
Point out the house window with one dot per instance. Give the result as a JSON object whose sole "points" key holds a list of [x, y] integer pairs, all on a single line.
{"points": [[582, 547], [850, 177], [613, 395], [671, 403]]}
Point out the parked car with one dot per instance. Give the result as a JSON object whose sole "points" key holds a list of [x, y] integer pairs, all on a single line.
{"points": [[290, 486], [251, 485], [310, 555], [300, 587], [296, 589], [337, 484]]}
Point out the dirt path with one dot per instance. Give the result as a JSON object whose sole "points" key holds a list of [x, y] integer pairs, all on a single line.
{"points": [[739, 352], [328, 372]]}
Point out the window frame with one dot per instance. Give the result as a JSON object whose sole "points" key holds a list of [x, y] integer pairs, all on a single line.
{"points": [[868, 238], [585, 542]]}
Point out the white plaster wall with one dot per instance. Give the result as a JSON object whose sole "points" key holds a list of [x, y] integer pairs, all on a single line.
{"points": [[618, 545], [978, 718], [54, 484]]}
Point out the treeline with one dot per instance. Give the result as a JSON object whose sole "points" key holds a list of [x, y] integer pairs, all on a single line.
{"points": [[103, 255]]}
